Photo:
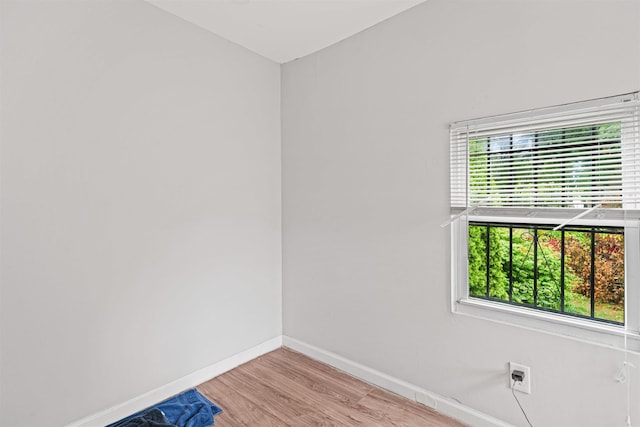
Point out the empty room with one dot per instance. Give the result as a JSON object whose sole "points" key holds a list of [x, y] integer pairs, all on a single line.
{"points": [[320, 213]]}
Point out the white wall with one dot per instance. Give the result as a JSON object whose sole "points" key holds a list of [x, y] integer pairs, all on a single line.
{"points": [[140, 204], [365, 187]]}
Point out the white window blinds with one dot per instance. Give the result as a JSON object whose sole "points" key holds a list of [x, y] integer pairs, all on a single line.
{"points": [[572, 156]]}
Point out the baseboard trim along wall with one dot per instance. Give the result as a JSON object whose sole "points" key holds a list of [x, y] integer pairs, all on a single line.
{"points": [[440, 403], [435, 401], [164, 392]]}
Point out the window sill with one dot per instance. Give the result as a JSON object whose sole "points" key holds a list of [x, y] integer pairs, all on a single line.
{"points": [[576, 328]]}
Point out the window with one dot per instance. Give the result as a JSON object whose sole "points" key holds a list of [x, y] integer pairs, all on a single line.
{"points": [[546, 206], [577, 270]]}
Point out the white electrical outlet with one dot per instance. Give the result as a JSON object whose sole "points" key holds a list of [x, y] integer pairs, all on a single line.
{"points": [[523, 386]]}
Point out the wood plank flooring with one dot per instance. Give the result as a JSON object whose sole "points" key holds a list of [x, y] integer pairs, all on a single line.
{"points": [[285, 388]]}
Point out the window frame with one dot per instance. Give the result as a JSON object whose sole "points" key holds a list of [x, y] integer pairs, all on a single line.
{"points": [[625, 336], [531, 318]]}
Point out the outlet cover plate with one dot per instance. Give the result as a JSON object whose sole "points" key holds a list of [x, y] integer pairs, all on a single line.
{"points": [[525, 385]]}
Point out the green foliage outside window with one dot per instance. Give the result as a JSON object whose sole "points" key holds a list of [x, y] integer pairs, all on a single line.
{"points": [[478, 268], [608, 280]]}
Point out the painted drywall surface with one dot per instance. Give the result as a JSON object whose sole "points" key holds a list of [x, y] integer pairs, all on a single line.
{"points": [[140, 205], [365, 187]]}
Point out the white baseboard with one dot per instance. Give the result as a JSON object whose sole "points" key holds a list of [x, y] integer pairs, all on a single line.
{"points": [[440, 403], [166, 391]]}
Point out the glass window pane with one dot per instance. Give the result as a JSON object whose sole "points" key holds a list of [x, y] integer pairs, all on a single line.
{"points": [[577, 272], [477, 260], [523, 266], [609, 277], [549, 266], [499, 263]]}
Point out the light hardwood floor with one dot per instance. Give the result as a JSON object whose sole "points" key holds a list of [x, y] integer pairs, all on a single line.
{"points": [[285, 388]]}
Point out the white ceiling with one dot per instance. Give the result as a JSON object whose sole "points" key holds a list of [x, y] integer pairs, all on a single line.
{"points": [[283, 30]]}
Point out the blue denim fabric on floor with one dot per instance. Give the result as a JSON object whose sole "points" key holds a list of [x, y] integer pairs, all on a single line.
{"points": [[151, 418], [189, 409]]}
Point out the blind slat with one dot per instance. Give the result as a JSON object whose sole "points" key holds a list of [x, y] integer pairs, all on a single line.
{"points": [[569, 156]]}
